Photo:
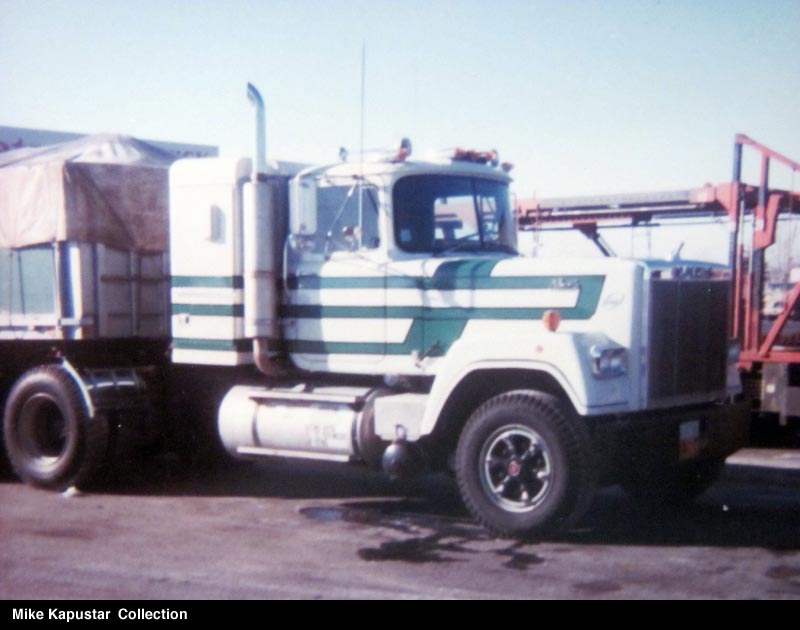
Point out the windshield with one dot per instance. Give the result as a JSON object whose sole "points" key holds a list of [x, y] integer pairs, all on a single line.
{"points": [[445, 213]]}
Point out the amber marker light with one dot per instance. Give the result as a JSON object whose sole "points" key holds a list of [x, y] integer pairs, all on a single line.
{"points": [[551, 320]]}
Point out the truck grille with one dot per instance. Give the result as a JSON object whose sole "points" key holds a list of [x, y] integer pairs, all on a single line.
{"points": [[688, 339]]}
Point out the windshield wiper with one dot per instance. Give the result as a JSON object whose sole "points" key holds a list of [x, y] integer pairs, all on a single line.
{"points": [[499, 247], [474, 246], [462, 243]]}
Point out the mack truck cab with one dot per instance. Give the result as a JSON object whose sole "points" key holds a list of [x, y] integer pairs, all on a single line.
{"points": [[376, 310], [394, 323]]}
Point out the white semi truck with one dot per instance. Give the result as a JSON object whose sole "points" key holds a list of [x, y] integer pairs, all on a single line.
{"points": [[372, 311]]}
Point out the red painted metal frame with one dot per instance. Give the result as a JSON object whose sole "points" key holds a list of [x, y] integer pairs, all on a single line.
{"points": [[780, 322], [748, 283], [733, 199], [767, 152]]}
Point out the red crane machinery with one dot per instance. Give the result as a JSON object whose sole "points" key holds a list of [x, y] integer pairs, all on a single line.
{"points": [[770, 348]]}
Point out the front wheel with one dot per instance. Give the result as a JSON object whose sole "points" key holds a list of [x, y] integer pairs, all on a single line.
{"points": [[523, 465]]}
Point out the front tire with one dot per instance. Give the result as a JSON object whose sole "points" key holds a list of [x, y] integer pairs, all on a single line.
{"points": [[523, 465], [50, 438]]}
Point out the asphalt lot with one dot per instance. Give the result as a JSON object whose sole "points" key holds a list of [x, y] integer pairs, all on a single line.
{"points": [[277, 529]]}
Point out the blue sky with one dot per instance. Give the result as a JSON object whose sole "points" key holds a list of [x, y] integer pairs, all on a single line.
{"points": [[582, 96]]}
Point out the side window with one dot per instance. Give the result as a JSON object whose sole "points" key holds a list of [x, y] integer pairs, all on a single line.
{"points": [[413, 215], [347, 219]]}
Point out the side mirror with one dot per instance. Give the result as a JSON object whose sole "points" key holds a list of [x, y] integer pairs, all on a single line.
{"points": [[303, 206], [351, 234], [301, 244]]}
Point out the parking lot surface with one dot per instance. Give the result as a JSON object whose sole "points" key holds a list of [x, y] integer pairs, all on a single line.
{"points": [[278, 529]]}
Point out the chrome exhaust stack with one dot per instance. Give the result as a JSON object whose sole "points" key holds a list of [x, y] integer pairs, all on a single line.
{"points": [[260, 154], [260, 260]]}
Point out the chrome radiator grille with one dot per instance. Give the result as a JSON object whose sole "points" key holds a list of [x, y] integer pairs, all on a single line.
{"points": [[687, 339]]}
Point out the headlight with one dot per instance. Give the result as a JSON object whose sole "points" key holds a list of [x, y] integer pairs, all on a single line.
{"points": [[608, 362]]}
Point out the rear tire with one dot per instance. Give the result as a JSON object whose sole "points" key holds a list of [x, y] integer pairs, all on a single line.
{"points": [[50, 438], [5, 465], [523, 465]]}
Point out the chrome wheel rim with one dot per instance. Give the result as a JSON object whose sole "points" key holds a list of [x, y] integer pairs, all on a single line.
{"points": [[516, 469]]}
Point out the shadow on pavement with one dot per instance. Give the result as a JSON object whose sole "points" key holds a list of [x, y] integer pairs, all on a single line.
{"points": [[429, 534], [725, 517], [428, 522], [267, 478]]}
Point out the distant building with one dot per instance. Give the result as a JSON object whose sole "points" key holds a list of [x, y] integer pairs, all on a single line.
{"points": [[18, 137]]}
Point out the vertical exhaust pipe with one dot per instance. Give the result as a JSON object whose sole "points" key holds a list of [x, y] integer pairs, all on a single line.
{"points": [[260, 155], [260, 232]]}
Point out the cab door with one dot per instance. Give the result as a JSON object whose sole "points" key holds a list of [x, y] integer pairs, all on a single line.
{"points": [[335, 314]]}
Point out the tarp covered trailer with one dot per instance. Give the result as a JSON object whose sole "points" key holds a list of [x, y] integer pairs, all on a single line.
{"points": [[84, 240]]}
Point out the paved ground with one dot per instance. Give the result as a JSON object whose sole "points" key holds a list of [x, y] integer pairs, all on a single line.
{"points": [[306, 530]]}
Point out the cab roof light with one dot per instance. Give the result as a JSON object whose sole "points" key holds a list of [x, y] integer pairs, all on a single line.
{"points": [[490, 158], [404, 151], [476, 157]]}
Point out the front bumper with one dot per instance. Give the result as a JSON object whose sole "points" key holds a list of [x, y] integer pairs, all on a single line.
{"points": [[654, 440]]}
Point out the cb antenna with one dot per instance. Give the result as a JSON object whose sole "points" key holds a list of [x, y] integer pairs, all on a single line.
{"points": [[361, 139], [363, 91]]}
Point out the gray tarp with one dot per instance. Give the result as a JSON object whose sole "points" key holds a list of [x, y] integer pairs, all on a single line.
{"points": [[107, 189]]}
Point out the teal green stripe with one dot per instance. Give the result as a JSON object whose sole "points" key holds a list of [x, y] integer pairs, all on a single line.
{"points": [[470, 267], [588, 298], [208, 282], [433, 330], [228, 345], [209, 310], [448, 273], [326, 347], [584, 309], [508, 282], [435, 338], [315, 311], [405, 312], [444, 283], [438, 335], [391, 282]]}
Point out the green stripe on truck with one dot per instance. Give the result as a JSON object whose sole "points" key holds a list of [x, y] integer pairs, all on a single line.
{"points": [[221, 345], [208, 282], [209, 310]]}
